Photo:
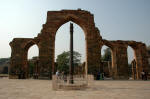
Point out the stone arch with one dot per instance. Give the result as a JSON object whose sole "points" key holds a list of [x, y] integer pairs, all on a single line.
{"points": [[135, 48], [132, 61], [108, 43], [111, 45], [26, 46], [78, 30], [66, 21], [106, 67], [82, 18], [74, 19], [140, 57]]}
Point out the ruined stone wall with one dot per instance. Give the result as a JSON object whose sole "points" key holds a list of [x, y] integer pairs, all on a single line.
{"points": [[94, 42], [19, 50], [46, 39], [120, 59]]}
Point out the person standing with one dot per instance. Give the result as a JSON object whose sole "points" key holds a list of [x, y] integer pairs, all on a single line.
{"points": [[57, 74], [143, 75]]}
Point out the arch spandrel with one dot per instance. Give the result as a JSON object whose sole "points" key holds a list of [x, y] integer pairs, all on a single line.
{"points": [[56, 19]]}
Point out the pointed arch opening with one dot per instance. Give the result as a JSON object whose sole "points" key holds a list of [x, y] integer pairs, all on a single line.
{"points": [[131, 63], [106, 61], [62, 48], [32, 58]]}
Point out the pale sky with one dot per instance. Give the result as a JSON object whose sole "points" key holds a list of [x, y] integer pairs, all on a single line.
{"points": [[116, 19]]}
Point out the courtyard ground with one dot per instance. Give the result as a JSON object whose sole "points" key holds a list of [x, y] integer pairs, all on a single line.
{"points": [[42, 89]]}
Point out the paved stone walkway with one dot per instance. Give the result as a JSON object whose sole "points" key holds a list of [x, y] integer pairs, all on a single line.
{"points": [[42, 89]]}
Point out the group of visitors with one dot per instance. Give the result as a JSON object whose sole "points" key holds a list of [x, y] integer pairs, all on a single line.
{"points": [[61, 75]]}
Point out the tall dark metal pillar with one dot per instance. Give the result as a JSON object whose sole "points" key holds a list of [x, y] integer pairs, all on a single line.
{"points": [[71, 54]]}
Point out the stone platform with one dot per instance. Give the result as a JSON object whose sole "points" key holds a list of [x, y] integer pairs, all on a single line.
{"points": [[42, 89]]}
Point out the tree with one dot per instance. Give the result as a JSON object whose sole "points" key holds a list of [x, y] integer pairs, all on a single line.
{"points": [[107, 55], [31, 64], [63, 61], [31, 67]]}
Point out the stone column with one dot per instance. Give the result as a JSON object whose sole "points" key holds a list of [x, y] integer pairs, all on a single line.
{"points": [[122, 62], [144, 57], [17, 59], [46, 48], [93, 52], [25, 63], [141, 60], [138, 63], [114, 63]]}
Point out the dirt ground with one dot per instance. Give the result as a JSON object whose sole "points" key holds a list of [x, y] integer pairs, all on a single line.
{"points": [[42, 89]]}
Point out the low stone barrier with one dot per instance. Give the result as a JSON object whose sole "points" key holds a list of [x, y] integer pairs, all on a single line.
{"points": [[80, 82]]}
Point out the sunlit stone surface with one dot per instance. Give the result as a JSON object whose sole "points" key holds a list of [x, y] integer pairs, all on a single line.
{"points": [[42, 89]]}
